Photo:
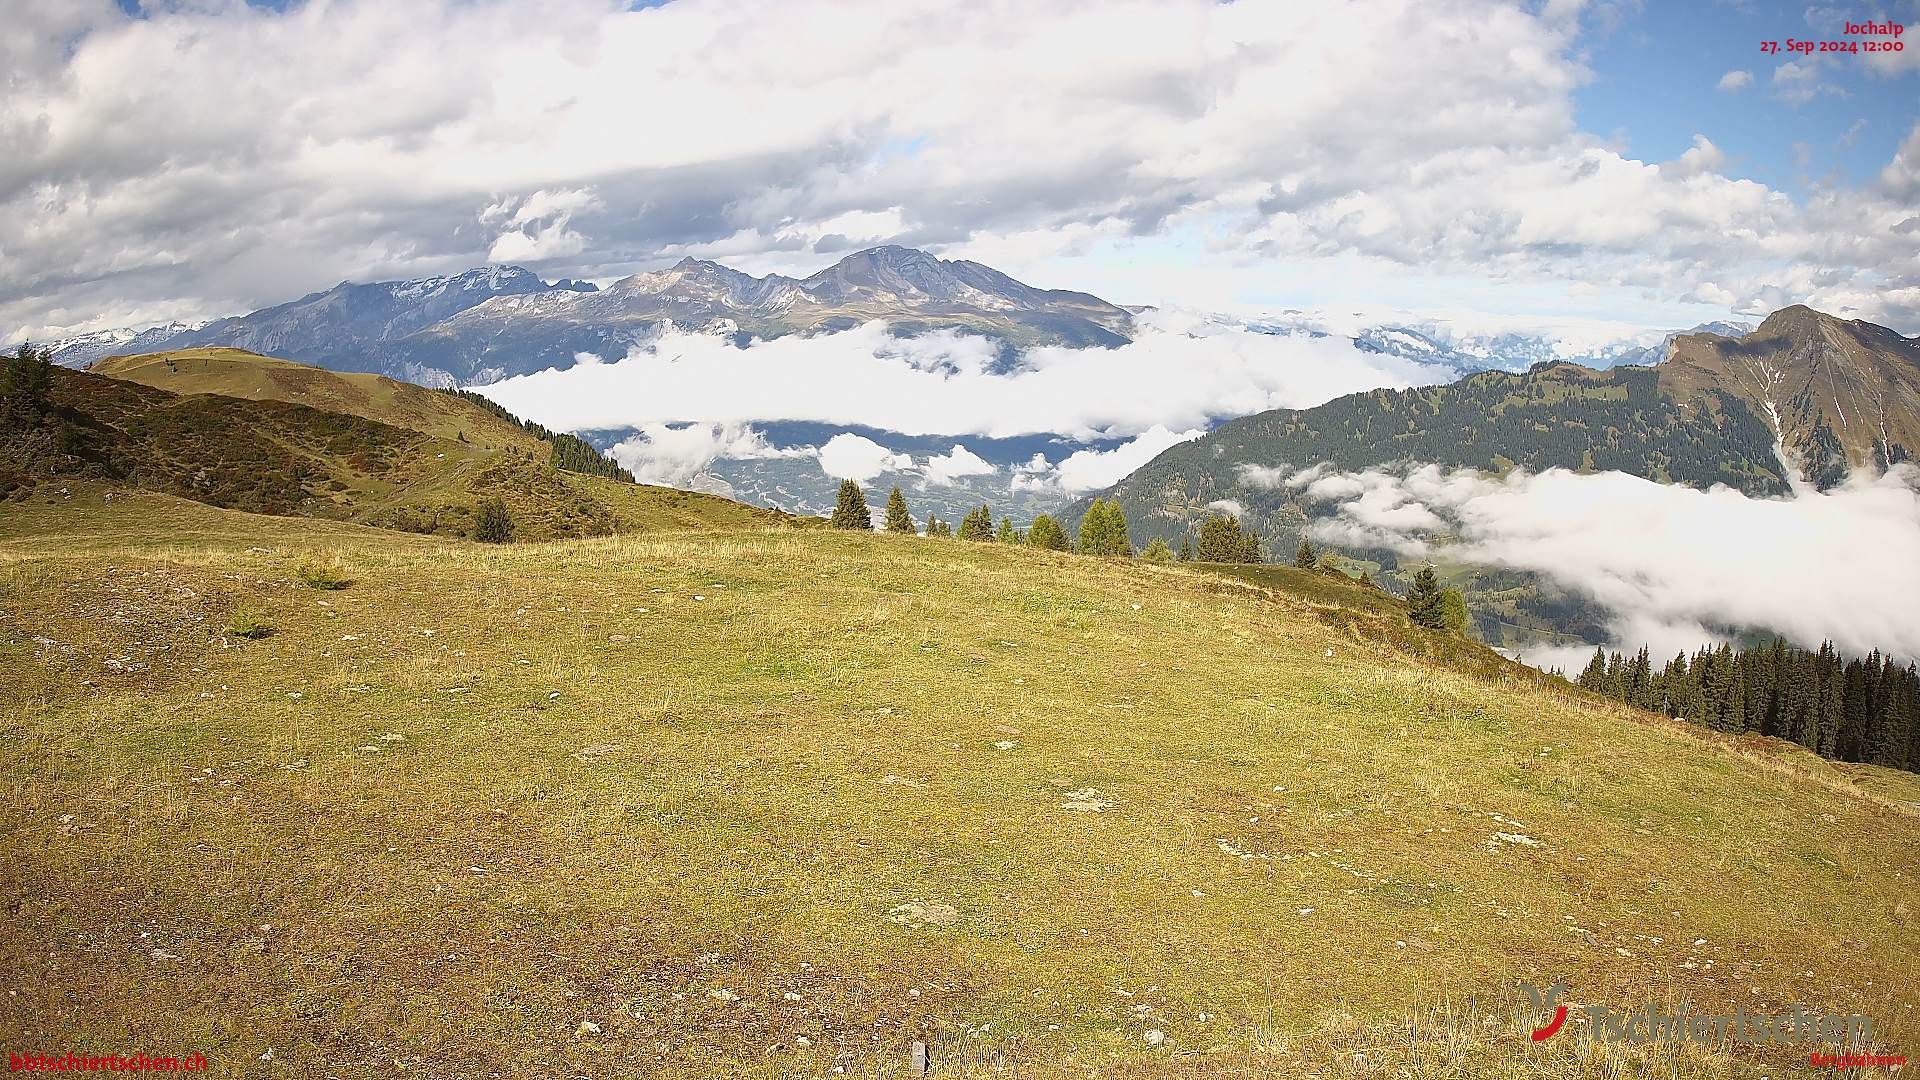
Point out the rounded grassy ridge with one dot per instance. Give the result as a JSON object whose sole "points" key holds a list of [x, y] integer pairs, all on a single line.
{"points": [[763, 801]]}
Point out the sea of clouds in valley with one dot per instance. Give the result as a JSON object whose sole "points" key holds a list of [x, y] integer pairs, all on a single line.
{"points": [[1674, 565], [694, 405]]}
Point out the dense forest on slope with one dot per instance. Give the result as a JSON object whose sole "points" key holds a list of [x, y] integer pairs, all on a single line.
{"points": [[1554, 415], [1849, 710]]}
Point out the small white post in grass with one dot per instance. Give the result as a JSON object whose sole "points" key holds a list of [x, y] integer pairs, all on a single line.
{"points": [[921, 1060]]}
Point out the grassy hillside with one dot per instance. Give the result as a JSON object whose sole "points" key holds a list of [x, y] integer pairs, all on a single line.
{"points": [[266, 452], [241, 374], [772, 801]]}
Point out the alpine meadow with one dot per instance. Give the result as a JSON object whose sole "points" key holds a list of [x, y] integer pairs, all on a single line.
{"points": [[583, 540]]}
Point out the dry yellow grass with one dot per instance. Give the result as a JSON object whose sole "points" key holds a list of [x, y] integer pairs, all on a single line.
{"points": [[672, 804]]}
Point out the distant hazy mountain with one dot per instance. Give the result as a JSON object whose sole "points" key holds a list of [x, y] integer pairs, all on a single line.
{"points": [[496, 322], [1467, 352]]}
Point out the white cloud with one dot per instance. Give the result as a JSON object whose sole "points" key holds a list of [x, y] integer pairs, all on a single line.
{"points": [[960, 462], [1798, 82], [1735, 80], [1093, 470], [1228, 506], [536, 227], [1890, 65], [1177, 374], [1669, 562], [847, 456], [673, 455], [1901, 177], [1703, 157]]}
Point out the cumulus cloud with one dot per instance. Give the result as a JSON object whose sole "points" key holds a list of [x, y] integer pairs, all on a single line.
{"points": [[1735, 80], [1673, 564], [1703, 157], [960, 462], [1178, 373], [346, 141], [847, 456], [672, 455], [536, 226], [1092, 470]]}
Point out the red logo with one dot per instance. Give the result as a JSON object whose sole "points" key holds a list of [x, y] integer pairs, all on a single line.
{"points": [[1546, 1000]]}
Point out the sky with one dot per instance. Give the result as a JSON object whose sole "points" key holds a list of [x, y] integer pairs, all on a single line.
{"points": [[1644, 164]]}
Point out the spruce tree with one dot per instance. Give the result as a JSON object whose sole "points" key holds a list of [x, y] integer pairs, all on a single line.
{"points": [[1594, 675], [1423, 600], [1222, 541], [1006, 535], [1157, 551], [1453, 612], [1186, 549], [492, 524], [850, 511], [25, 380], [1047, 533], [898, 520], [1103, 531], [1640, 681], [977, 525], [1304, 556]]}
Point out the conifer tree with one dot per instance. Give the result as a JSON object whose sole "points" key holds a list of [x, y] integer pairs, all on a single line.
{"points": [[25, 379], [898, 520], [1423, 600], [850, 511], [1640, 681], [1594, 675], [1157, 551], [1304, 556], [1007, 534], [1047, 533], [492, 524], [1453, 612], [1222, 541], [977, 525], [1186, 549], [1103, 531]]}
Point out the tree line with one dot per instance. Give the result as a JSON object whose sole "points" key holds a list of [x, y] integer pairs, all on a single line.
{"points": [[570, 452], [1103, 531], [1860, 710]]}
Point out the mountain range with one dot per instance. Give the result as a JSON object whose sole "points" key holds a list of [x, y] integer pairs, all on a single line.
{"points": [[496, 322]]}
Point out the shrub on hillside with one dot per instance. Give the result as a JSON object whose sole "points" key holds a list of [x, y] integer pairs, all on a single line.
{"points": [[320, 576], [246, 624], [492, 524]]}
